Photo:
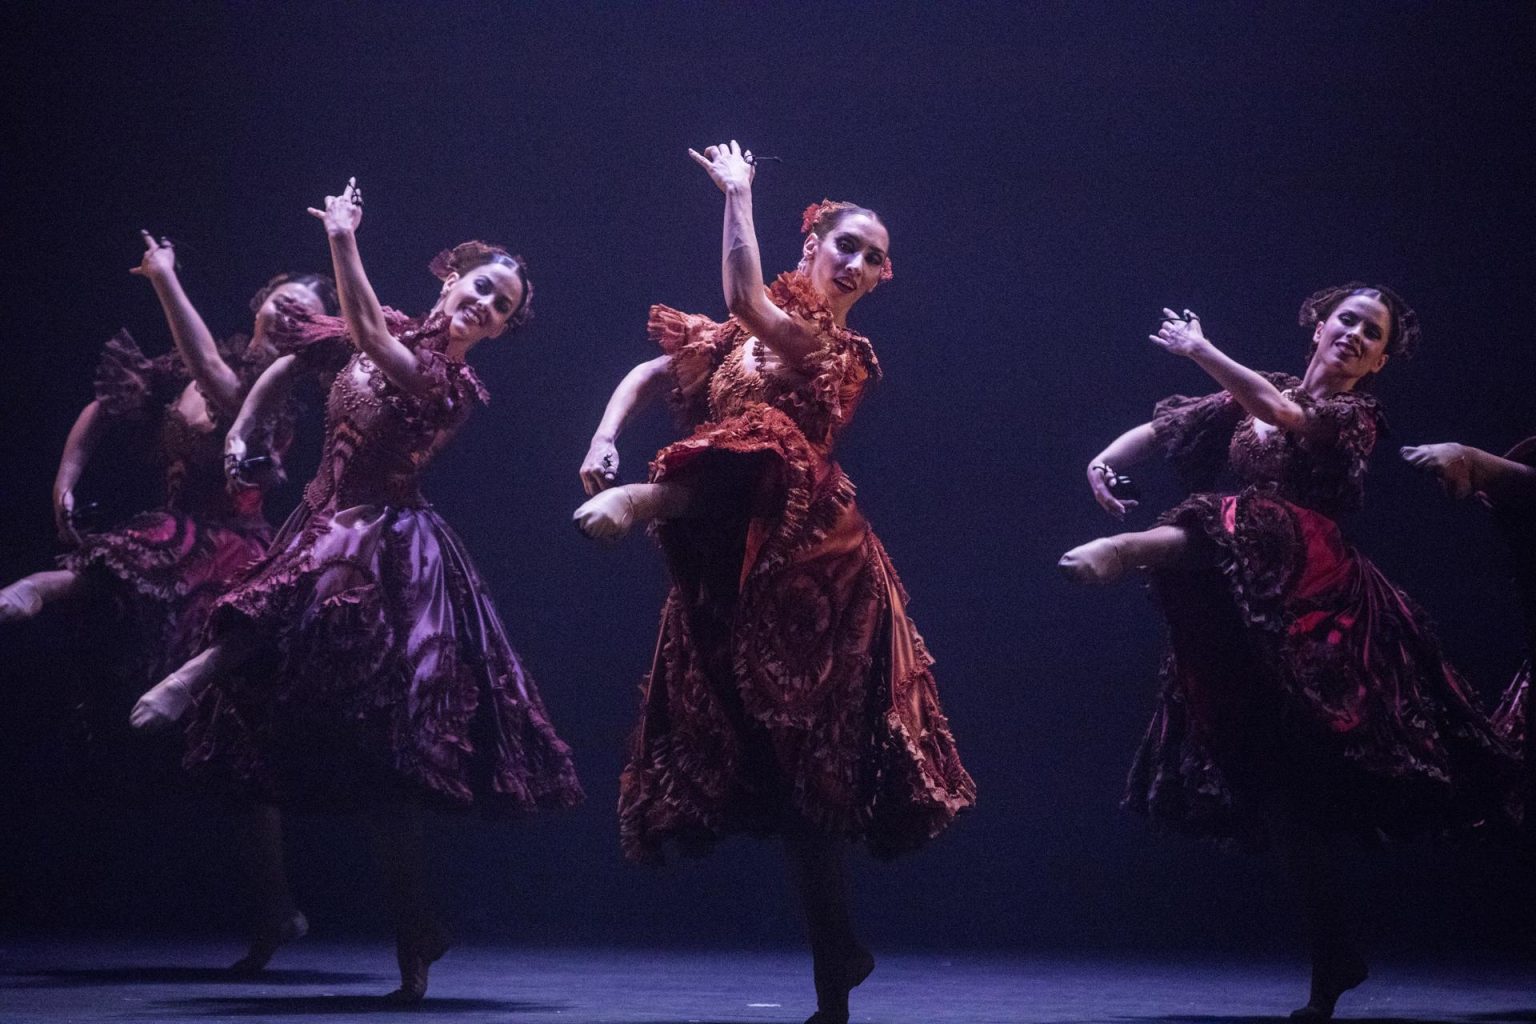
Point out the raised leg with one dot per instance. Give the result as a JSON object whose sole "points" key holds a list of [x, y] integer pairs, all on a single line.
{"points": [[611, 514], [1108, 558], [165, 702], [26, 597]]}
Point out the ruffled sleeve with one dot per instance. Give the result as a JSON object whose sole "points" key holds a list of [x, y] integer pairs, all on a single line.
{"points": [[322, 343], [838, 371], [1346, 427], [1194, 434], [697, 346], [319, 343], [1349, 421], [129, 384]]}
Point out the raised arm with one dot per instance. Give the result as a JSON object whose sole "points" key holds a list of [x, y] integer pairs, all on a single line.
{"points": [[1182, 336], [1135, 445], [741, 267], [1464, 470], [359, 305], [261, 405], [193, 341], [78, 449], [639, 388]]}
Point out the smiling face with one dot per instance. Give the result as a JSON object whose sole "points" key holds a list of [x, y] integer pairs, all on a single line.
{"points": [[1352, 342], [845, 263], [480, 302]]}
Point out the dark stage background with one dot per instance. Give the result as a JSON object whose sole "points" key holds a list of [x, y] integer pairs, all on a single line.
{"points": [[1052, 174]]}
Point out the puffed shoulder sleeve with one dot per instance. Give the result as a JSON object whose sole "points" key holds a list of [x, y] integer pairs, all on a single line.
{"points": [[319, 343], [129, 384], [1194, 433], [697, 346], [1349, 422]]}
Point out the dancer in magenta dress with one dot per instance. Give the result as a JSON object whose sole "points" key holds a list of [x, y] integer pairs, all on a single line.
{"points": [[790, 693], [361, 663], [1303, 695], [164, 568]]}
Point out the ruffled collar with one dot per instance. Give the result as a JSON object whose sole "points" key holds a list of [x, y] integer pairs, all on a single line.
{"points": [[429, 334], [794, 293]]}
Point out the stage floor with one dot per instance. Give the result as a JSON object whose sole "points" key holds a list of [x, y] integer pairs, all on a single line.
{"points": [[42, 982]]}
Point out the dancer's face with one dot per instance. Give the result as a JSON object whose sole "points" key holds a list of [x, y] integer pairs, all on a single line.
{"points": [[845, 264], [480, 302], [1353, 340], [292, 295]]}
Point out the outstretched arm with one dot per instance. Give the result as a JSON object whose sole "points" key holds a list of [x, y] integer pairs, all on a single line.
{"points": [[261, 406], [1259, 398], [639, 388], [78, 448], [1464, 470], [741, 266], [1131, 447], [359, 305], [194, 343]]}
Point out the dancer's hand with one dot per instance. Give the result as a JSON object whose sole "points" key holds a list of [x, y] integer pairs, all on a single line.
{"points": [[600, 469], [1447, 461], [608, 516], [1098, 482], [234, 454], [729, 167], [63, 516], [159, 259], [343, 213], [1180, 335]]}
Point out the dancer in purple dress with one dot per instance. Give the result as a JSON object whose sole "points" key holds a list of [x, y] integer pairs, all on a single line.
{"points": [[361, 663], [164, 568], [1303, 695]]}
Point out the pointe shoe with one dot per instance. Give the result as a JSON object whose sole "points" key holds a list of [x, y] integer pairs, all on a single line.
{"points": [[269, 940], [1329, 981], [19, 601], [163, 705], [1098, 561], [416, 953]]}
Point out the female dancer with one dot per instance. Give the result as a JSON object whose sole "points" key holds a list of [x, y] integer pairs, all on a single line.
{"points": [[165, 567], [1508, 485], [1304, 695], [374, 669], [170, 563], [790, 693]]}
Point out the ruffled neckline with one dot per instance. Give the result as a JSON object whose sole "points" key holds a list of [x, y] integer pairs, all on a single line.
{"points": [[425, 335], [793, 292]]}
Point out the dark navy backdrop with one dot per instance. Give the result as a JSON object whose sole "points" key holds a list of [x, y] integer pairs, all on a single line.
{"points": [[1051, 174]]}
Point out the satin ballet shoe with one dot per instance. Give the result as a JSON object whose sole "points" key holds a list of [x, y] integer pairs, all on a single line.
{"points": [[163, 705], [1098, 561], [1330, 981], [269, 940], [20, 601], [416, 952]]}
